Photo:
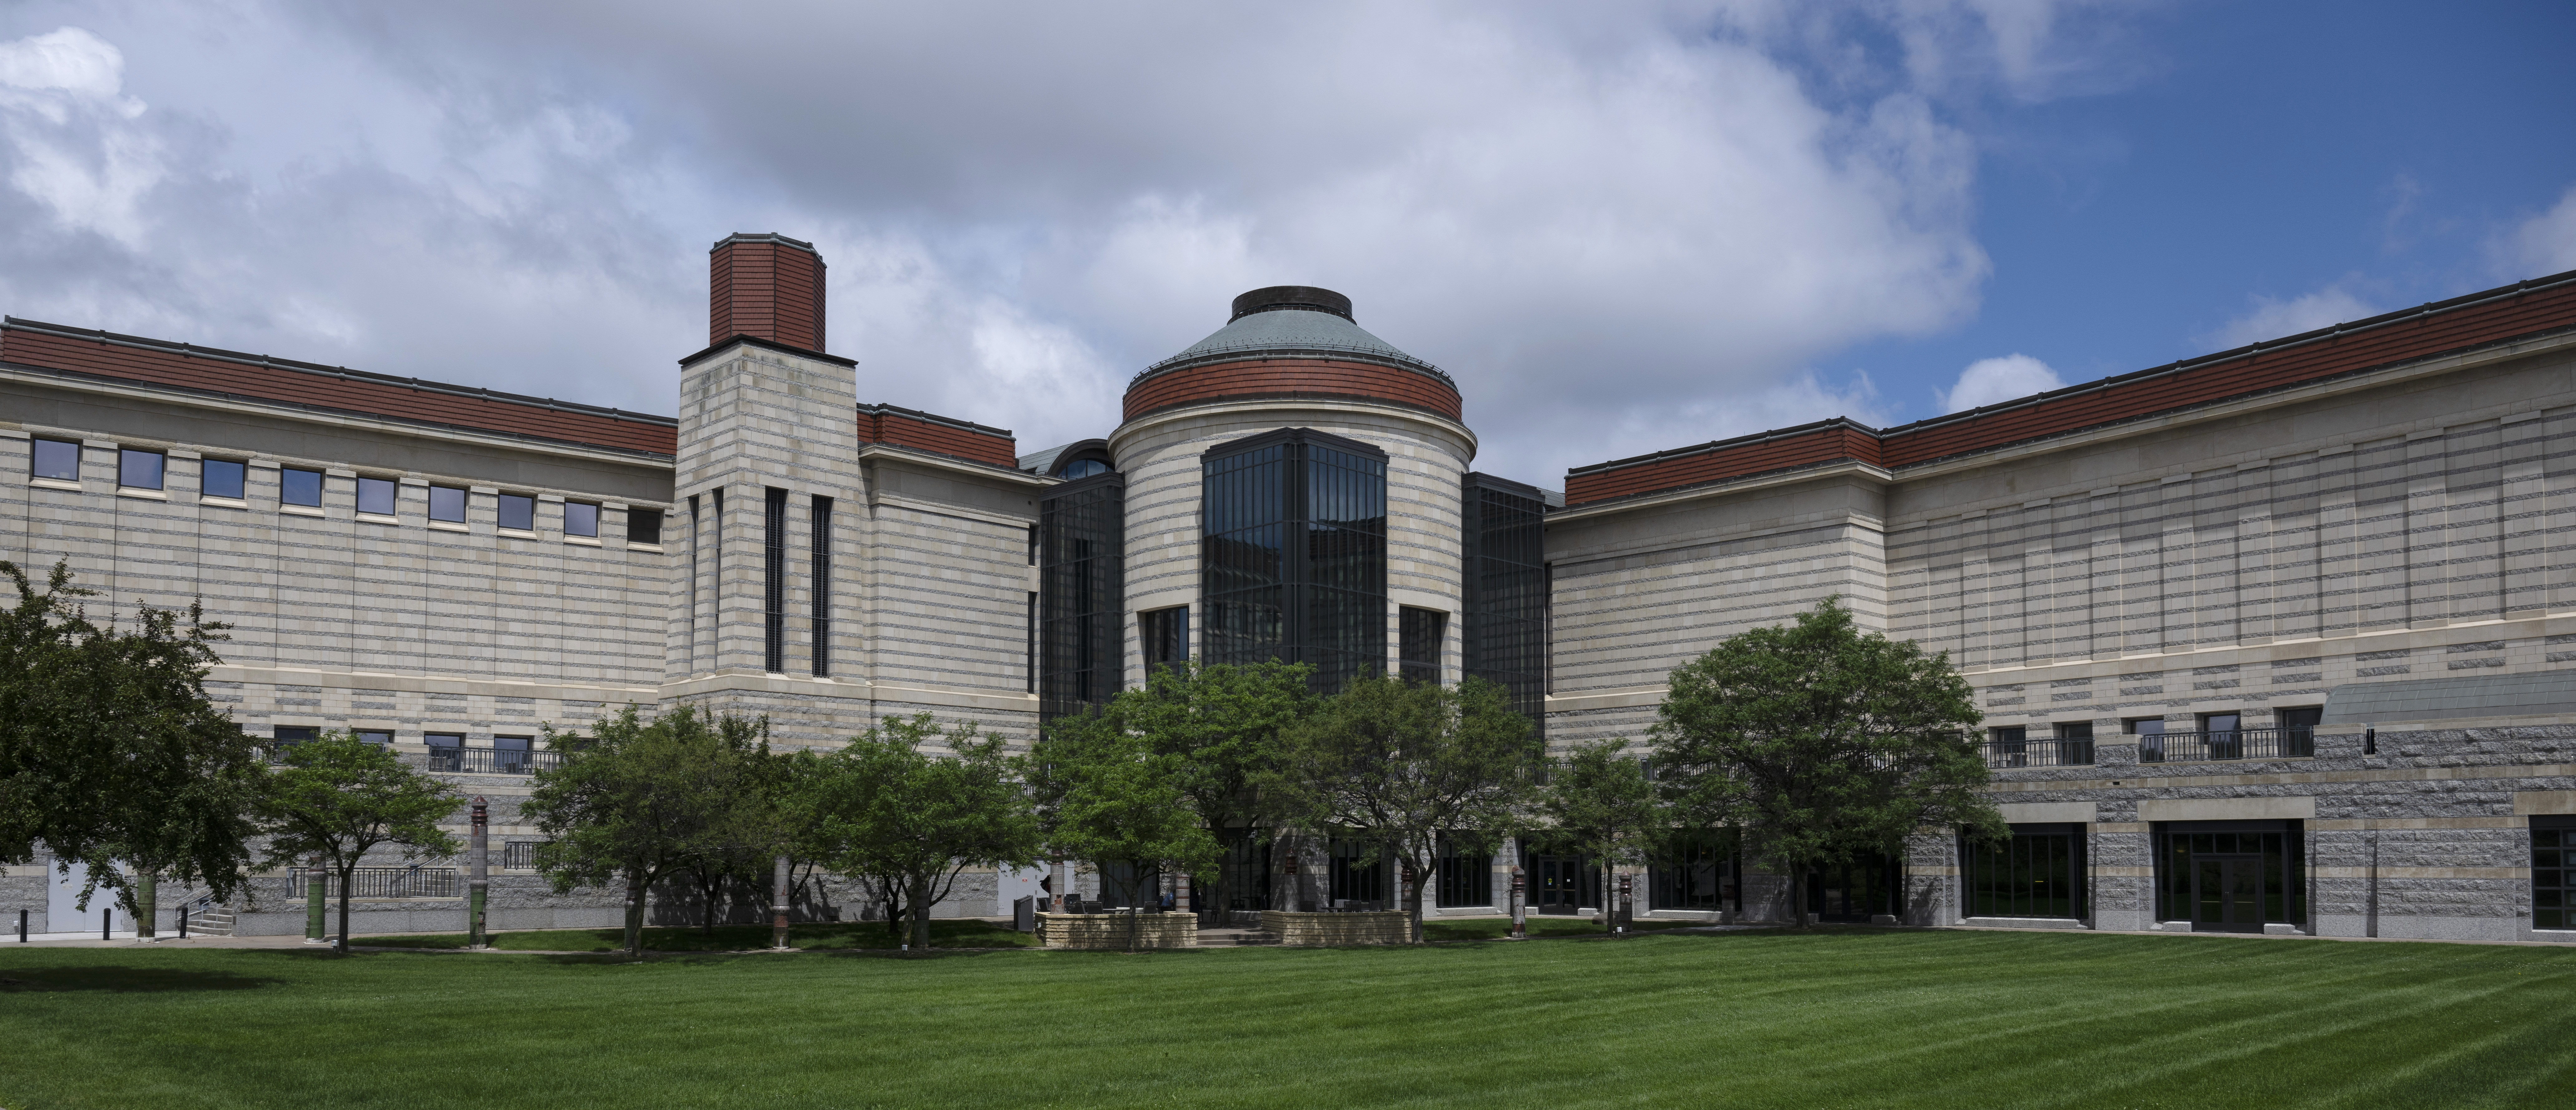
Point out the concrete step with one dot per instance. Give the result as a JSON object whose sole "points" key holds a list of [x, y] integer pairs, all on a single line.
{"points": [[211, 923]]}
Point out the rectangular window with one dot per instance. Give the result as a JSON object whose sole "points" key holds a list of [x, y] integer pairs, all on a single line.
{"points": [[1351, 881], [1165, 636], [376, 735], [1466, 874], [1029, 654], [446, 750], [822, 587], [2299, 729], [644, 526], [221, 478], [2553, 872], [2038, 871], [1079, 626], [139, 469], [288, 736], [53, 458], [1419, 633], [1503, 615], [1694, 871], [447, 503], [510, 754], [518, 513], [581, 519], [1293, 554], [773, 572], [376, 496], [299, 487]]}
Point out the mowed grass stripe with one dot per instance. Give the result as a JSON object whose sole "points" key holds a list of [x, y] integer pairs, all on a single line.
{"points": [[1866, 1018]]}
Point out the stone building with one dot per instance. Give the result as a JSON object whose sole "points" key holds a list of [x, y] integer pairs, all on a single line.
{"points": [[2266, 640]]}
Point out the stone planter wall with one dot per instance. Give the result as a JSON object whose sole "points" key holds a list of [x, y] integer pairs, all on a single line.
{"points": [[1315, 930], [1111, 930]]}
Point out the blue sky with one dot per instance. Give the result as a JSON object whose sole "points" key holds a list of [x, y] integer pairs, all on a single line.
{"points": [[1623, 226]]}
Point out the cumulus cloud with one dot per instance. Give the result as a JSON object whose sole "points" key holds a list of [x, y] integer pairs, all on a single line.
{"points": [[2544, 244], [1990, 381], [1613, 226], [2270, 318]]}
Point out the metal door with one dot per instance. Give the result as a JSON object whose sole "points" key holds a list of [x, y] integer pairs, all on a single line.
{"points": [[2228, 893]]}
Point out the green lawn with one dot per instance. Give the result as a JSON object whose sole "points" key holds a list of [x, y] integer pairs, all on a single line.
{"points": [[726, 938], [1833, 1019], [1492, 928]]}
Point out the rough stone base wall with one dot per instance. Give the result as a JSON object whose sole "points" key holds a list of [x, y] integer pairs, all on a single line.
{"points": [[1316, 930], [1119, 930]]}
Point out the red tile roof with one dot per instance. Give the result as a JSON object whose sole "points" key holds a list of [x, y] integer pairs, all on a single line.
{"points": [[98, 354]]}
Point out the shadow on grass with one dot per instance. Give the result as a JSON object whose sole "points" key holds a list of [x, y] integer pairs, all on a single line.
{"points": [[125, 980]]}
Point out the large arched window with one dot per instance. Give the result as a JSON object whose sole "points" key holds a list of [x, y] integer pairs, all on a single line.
{"points": [[1294, 562]]}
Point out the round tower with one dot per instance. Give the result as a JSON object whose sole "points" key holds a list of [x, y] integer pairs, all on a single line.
{"points": [[1293, 482]]}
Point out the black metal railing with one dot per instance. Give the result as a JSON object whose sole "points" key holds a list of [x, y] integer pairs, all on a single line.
{"points": [[2042, 752], [384, 882], [519, 853], [493, 761], [2242, 743]]}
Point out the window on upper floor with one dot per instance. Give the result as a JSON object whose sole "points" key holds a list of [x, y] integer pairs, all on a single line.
{"points": [[55, 459], [1419, 636], [644, 526], [518, 512], [299, 487], [447, 504], [140, 469], [376, 735], [221, 478], [581, 519], [376, 496]]}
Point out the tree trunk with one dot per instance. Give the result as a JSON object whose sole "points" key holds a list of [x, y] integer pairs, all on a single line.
{"points": [[707, 891], [920, 896], [348, 872], [634, 917]]}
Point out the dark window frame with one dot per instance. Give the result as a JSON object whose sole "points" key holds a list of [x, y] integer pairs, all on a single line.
{"points": [[1077, 623], [126, 457], [1163, 637], [773, 581], [389, 489], [2552, 880], [1701, 870], [820, 621], [1294, 555], [1504, 609], [508, 504], [570, 516], [239, 470], [1422, 635], [1466, 873], [287, 479], [464, 501], [644, 526], [38, 467], [2039, 871]]}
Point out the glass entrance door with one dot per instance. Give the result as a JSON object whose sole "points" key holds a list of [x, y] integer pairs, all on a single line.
{"points": [[1562, 884], [2227, 893]]}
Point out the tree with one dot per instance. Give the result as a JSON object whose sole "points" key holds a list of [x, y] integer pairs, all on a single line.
{"points": [[1405, 764], [744, 830], [110, 749], [339, 797], [1597, 797], [630, 803], [1106, 795], [919, 819], [1221, 725], [1819, 740]]}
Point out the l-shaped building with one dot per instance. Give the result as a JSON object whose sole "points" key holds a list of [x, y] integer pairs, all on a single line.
{"points": [[2278, 639]]}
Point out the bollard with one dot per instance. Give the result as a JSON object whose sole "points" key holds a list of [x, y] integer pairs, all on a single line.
{"points": [[778, 906], [183, 921], [1520, 907], [22, 926], [1627, 903], [478, 887], [315, 879], [106, 923]]}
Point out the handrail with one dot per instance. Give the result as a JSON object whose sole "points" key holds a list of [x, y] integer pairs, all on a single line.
{"points": [[2226, 744]]}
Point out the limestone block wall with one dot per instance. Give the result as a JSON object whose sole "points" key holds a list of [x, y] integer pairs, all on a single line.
{"points": [[1119, 930], [1427, 458], [1316, 930]]}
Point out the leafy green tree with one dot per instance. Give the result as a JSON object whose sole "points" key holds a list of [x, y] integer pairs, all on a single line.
{"points": [[744, 833], [1221, 724], [1404, 764], [1819, 740], [109, 748], [919, 818], [339, 797], [1107, 796], [1597, 799], [630, 803]]}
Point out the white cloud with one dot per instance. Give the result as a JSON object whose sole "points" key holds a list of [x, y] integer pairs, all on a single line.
{"points": [[1990, 381], [2544, 244], [1609, 227], [2270, 318]]}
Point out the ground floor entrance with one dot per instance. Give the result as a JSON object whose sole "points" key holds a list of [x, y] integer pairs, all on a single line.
{"points": [[2231, 876], [1560, 883], [1856, 889]]}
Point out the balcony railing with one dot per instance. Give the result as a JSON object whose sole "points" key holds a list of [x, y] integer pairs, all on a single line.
{"points": [[519, 853], [493, 761], [384, 882], [2042, 752], [2243, 743]]}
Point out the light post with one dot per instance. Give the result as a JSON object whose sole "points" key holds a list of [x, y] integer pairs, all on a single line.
{"points": [[315, 878], [478, 883], [1627, 904], [778, 906], [1520, 906]]}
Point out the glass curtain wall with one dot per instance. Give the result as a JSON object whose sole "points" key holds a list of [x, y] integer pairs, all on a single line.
{"points": [[2553, 872], [2038, 871], [1351, 880], [1082, 576], [1505, 622], [1696, 871], [2232, 875], [1294, 566], [1466, 873]]}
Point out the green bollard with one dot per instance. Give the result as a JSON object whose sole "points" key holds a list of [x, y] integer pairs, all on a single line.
{"points": [[314, 881]]}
